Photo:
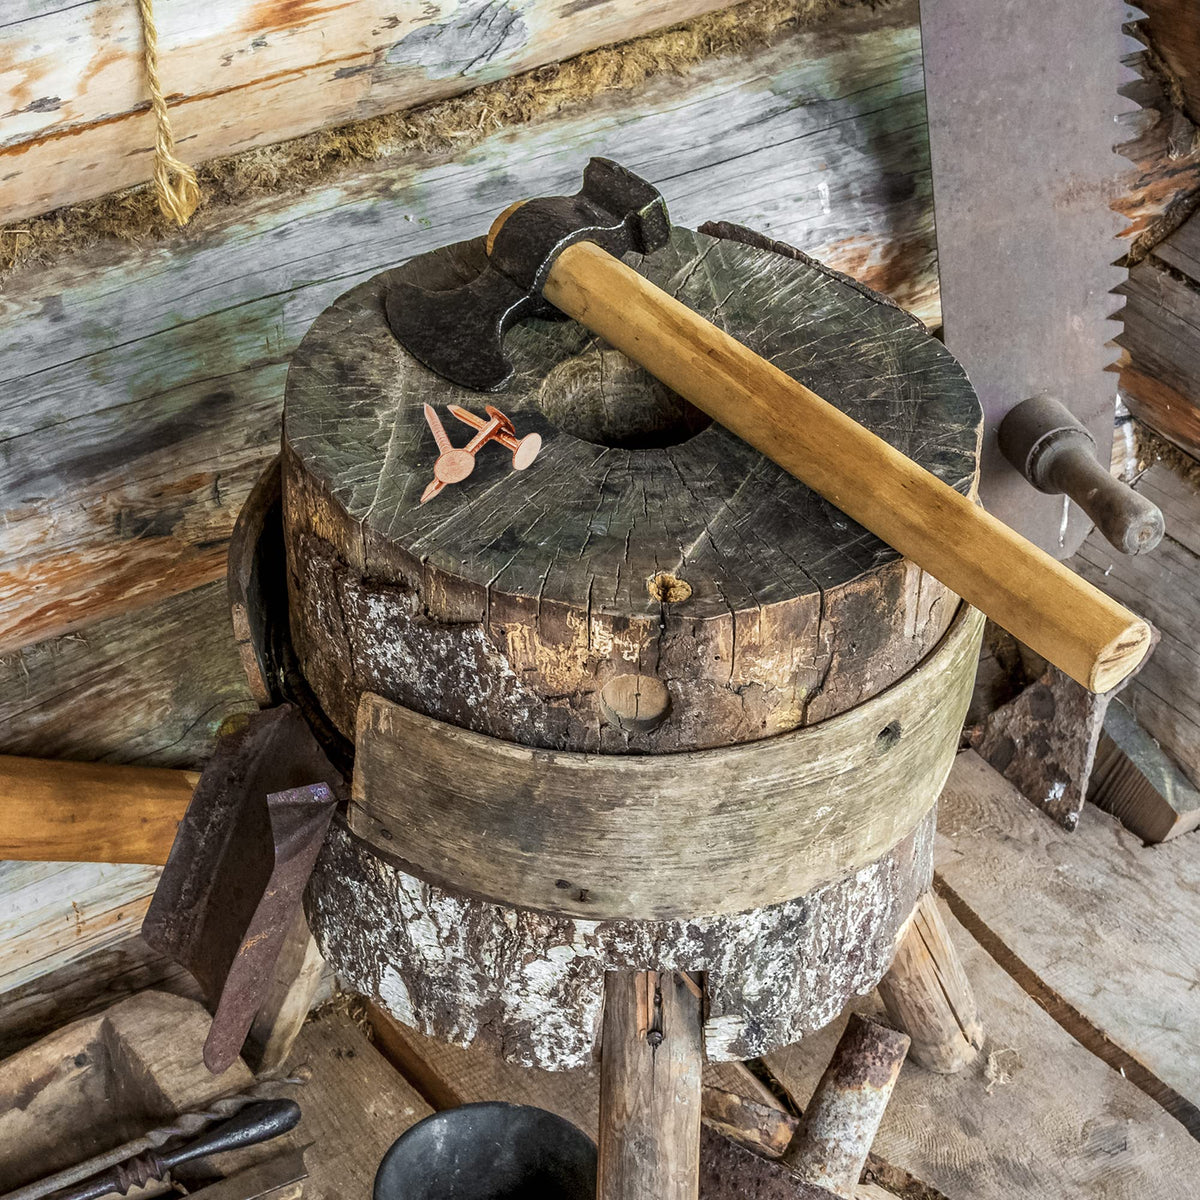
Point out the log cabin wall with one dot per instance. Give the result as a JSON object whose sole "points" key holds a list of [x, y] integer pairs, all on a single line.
{"points": [[144, 365]]}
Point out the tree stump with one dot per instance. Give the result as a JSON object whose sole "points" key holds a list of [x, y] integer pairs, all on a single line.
{"points": [[651, 584]]}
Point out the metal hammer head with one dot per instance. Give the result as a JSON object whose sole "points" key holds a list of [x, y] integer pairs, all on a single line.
{"points": [[459, 333]]}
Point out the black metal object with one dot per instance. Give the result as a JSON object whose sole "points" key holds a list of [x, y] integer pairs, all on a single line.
{"points": [[234, 880], [1054, 450], [490, 1151], [459, 333], [258, 1122]]}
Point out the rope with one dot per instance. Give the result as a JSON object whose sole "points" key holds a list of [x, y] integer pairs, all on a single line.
{"points": [[174, 181]]}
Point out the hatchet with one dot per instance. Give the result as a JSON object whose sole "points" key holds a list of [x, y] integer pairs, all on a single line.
{"points": [[563, 253]]}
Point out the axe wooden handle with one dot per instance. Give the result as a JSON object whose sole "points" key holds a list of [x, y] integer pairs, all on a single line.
{"points": [[1078, 628]]}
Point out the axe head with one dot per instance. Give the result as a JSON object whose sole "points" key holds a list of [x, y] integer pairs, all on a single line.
{"points": [[459, 332]]}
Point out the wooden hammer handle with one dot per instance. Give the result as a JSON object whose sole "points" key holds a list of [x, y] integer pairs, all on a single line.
{"points": [[1052, 610], [54, 811]]}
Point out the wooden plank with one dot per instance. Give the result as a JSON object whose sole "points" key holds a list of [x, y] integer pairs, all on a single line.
{"points": [[1175, 34], [52, 811], [353, 1103], [241, 74], [143, 383], [1165, 696], [1161, 340], [1138, 782], [53, 913], [85, 985], [151, 687], [649, 1141], [1034, 1115], [103, 1081], [1107, 924]]}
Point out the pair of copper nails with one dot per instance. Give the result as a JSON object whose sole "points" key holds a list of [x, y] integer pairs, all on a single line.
{"points": [[454, 465]]}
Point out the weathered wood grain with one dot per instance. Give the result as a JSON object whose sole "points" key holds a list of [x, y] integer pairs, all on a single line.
{"points": [[105, 1080], [1175, 34], [143, 384], [245, 74], [354, 1108], [662, 837], [508, 603], [54, 913], [927, 994], [650, 1061], [1034, 1115], [1165, 696], [1107, 924], [152, 688], [1138, 782], [84, 985], [1160, 374]]}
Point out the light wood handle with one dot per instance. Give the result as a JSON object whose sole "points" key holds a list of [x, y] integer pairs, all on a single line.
{"points": [[54, 811], [1052, 610]]}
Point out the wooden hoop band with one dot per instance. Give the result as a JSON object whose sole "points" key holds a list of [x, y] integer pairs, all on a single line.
{"points": [[663, 836]]}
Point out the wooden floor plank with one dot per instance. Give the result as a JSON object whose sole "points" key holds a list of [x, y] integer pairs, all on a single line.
{"points": [[1035, 1115], [1108, 924]]}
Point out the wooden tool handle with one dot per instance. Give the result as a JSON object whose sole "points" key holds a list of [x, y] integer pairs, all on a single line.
{"points": [[90, 812], [1091, 637]]}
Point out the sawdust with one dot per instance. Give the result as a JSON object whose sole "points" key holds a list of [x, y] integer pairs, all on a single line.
{"points": [[1000, 1067], [456, 123]]}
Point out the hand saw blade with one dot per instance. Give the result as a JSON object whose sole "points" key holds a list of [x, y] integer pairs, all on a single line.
{"points": [[1024, 104]]}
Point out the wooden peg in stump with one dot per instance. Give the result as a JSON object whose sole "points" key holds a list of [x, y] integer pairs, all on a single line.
{"points": [[651, 1058]]}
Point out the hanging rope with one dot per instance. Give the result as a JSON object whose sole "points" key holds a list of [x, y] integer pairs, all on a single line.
{"points": [[174, 181]]}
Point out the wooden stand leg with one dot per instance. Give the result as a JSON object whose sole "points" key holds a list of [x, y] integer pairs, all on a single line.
{"points": [[835, 1134], [651, 1057], [927, 993]]}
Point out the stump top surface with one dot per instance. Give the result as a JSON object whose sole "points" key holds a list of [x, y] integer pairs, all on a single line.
{"points": [[588, 524]]}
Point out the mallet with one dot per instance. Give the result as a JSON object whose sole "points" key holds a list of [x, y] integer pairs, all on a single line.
{"points": [[561, 251]]}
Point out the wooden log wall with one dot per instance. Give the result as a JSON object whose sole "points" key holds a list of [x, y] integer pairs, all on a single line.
{"points": [[143, 380], [1160, 341], [241, 73]]}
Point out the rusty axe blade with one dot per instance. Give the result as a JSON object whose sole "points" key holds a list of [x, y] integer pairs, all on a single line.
{"points": [[235, 878]]}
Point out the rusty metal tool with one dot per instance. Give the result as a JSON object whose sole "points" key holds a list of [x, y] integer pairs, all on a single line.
{"points": [[453, 465], [233, 883], [257, 1122], [1025, 102], [561, 250]]}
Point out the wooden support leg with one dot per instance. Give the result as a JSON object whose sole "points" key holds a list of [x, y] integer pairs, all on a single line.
{"points": [[651, 1057], [927, 993], [835, 1134], [294, 984]]}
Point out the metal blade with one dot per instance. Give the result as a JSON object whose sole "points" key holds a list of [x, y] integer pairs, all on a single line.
{"points": [[1023, 102]]}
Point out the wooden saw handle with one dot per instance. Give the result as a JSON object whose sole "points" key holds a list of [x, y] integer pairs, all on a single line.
{"points": [[1052, 610]]}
